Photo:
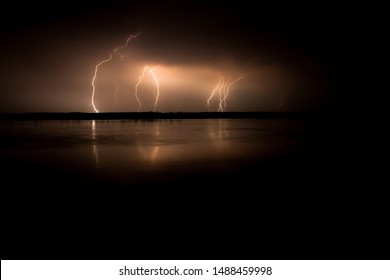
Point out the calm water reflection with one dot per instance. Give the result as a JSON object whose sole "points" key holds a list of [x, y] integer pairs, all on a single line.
{"points": [[132, 152]]}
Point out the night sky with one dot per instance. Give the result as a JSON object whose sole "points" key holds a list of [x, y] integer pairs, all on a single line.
{"points": [[290, 55], [317, 56]]}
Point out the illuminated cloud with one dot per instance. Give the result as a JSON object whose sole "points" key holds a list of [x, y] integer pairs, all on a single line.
{"points": [[87, 63]]}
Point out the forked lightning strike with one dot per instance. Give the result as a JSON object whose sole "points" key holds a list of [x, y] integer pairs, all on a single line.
{"points": [[94, 78], [156, 91], [223, 88], [115, 51], [221, 93], [213, 92], [222, 104]]}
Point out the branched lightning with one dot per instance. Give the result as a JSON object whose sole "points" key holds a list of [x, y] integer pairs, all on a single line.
{"points": [[93, 81], [156, 91], [221, 94], [223, 88], [222, 104], [214, 90], [115, 51]]}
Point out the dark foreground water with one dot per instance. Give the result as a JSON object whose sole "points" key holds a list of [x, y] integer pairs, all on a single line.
{"points": [[145, 153], [190, 188]]}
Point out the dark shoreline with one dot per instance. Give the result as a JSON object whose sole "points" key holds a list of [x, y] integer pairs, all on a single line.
{"points": [[154, 115]]}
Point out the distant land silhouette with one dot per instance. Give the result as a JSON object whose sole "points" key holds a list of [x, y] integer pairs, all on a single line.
{"points": [[152, 115]]}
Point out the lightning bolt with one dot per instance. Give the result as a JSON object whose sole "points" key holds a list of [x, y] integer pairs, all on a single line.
{"points": [[214, 90], [118, 49], [223, 88], [94, 79], [156, 91], [116, 92], [222, 103], [115, 51], [221, 93]]}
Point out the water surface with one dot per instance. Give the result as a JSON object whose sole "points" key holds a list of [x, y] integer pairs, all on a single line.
{"points": [[140, 186], [132, 153]]}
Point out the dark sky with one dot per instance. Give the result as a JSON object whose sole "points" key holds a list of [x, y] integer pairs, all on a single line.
{"points": [[317, 54], [293, 56]]}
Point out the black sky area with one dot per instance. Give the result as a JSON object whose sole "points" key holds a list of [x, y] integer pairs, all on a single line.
{"points": [[327, 33], [313, 28]]}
